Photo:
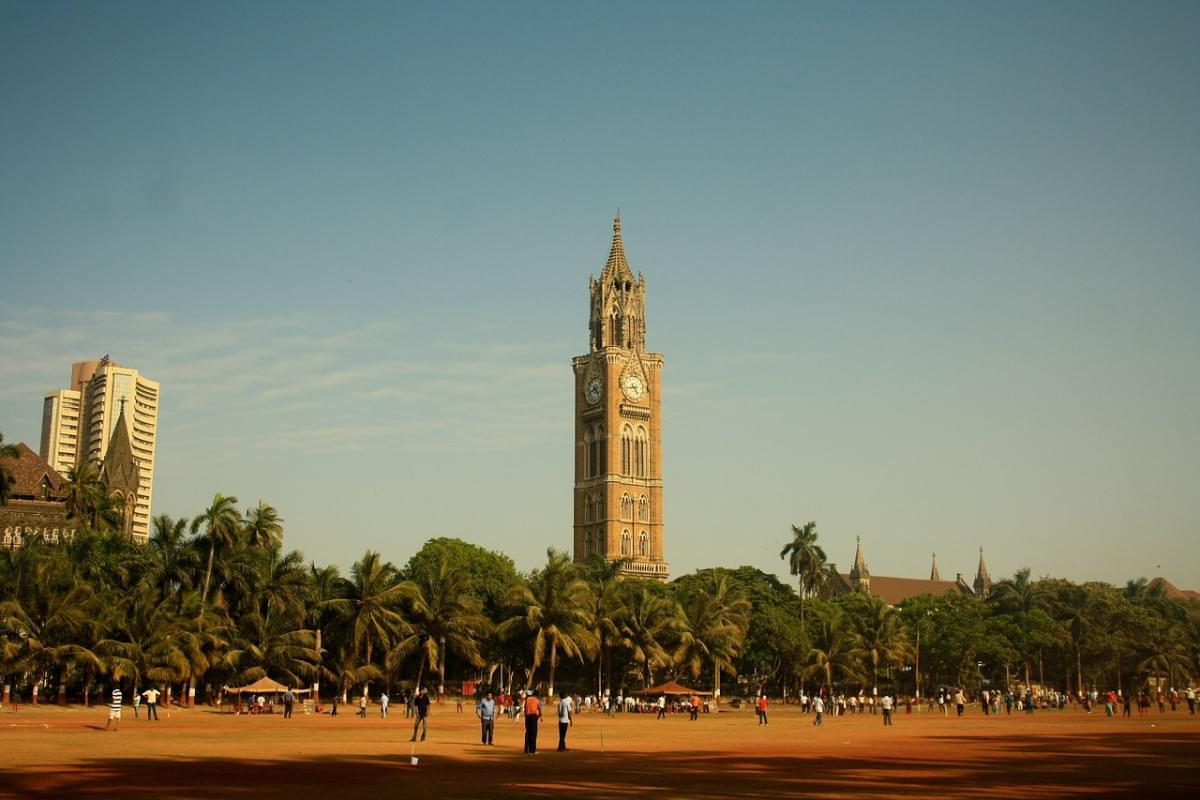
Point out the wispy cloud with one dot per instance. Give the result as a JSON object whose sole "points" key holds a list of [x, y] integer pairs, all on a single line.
{"points": [[299, 382]]}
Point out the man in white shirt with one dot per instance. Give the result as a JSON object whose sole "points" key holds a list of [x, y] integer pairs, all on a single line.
{"points": [[819, 708], [886, 704], [565, 707]]}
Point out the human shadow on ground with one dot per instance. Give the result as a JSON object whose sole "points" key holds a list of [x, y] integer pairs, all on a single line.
{"points": [[1098, 764]]}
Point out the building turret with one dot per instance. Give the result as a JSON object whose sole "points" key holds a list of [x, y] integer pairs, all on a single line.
{"points": [[933, 573], [618, 301], [860, 577], [983, 581]]}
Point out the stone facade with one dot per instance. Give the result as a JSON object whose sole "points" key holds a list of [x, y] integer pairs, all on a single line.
{"points": [[36, 506], [618, 426]]}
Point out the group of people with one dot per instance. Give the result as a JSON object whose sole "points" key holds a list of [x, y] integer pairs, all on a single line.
{"points": [[114, 708]]}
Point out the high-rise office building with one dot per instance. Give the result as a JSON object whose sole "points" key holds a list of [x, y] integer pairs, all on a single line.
{"points": [[78, 424]]}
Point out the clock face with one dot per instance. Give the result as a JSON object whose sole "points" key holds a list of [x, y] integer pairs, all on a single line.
{"points": [[633, 387], [595, 388]]}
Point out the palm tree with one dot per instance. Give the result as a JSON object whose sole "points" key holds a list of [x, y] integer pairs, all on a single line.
{"points": [[608, 603], [263, 526], [554, 609], [442, 615], [882, 637], [713, 628], [220, 521], [806, 559], [1167, 654], [7, 452], [88, 498], [646, 622], [370, 603], [171, 564], [836, 649]]}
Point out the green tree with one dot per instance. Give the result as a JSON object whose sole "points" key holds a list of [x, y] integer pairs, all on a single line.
{"points": [[553, 609], [646, 624], [806, 560], [263, 526], [7, 452], [714, 623], [370, 602], [220, 521], [836, 652], [443, 616]]}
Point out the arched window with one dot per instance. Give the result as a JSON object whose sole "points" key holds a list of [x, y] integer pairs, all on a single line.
{"points": [[587, 545], [643, 452], [587, 454], [597, 450], [643, 509], [598, 545], [626, 507], [626, 543], [626, 450], [643, 544], [587, 509]]}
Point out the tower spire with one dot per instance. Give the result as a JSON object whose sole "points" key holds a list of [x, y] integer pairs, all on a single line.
{"points": [[933, 573], [983, 581], [859, 575], [617, 267]]}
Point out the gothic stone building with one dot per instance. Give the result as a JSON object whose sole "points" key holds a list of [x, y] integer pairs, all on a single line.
{"points": [[894, 591], [618, 426], [36, 504]]}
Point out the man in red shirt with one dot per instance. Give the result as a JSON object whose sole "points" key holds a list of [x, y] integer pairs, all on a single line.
{"points": [[762, 709]]}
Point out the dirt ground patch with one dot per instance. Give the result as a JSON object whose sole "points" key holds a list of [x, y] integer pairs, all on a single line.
{"points": [[51, 752]]}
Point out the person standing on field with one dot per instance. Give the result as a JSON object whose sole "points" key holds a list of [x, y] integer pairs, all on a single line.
{"points": [[761, 707], [533, 714], [151, 696], [886, 704], [819, 709], [564, 721], [421, 709], [114, 710], [486, 711]]}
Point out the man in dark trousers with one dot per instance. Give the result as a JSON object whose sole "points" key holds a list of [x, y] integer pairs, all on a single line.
{"points": [[421, 709], [533, 713], [564, 720]]}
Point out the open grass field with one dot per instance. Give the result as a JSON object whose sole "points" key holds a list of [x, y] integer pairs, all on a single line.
{"points": [[50, 752]]}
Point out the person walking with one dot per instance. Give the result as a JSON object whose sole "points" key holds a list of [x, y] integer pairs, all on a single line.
{"points": [[960, 701], [662, 706], [1190, 694], [151, 696], [486, 711], [533, 713], [333, 713], [137, 701], [761, 706], [564, 721], [885, 703], [695, 707], [114, 710], [421, 709], [383, 705], [289, 701], [818, 709], [362, 704]]}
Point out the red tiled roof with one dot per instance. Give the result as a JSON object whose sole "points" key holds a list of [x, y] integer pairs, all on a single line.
{"points": [[28, 470], [895, 591], [1171, 590]]}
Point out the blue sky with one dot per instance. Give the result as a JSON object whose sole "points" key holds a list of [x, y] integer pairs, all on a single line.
{"points": [[925, 272]]}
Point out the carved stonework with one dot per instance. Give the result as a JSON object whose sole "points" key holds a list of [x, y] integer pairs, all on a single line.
{"points": [[618, 427]]}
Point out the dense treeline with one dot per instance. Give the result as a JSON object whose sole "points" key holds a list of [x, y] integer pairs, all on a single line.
{"points": [[218, 601]]}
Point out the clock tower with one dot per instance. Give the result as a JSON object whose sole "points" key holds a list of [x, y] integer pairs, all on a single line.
{"points": [[618, 426]]}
